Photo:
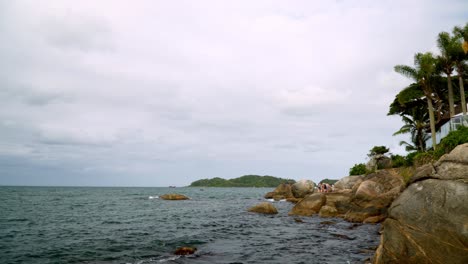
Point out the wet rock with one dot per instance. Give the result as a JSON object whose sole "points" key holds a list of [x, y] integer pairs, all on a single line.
{"points": [[298, 220], [427, 223], [264, 208], [310, 205], [283, 191], [328, 211], [302, 188], [185, 251], [173, 196]]}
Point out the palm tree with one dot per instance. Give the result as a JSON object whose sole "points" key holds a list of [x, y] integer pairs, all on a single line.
{"points": [[460, 56], [447, 46], [415, 124], [423, 73], [462, 32]]}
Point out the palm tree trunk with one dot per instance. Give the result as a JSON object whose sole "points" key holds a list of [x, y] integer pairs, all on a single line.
{"points": [[432, 122], [450, 94], [462, 93]]}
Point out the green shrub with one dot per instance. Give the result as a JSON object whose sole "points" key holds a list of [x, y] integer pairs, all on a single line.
{"points": [[422, 158], [410, 158], [406, 173], [376, 150], [453, 139], [398, 161], [358, 169]]}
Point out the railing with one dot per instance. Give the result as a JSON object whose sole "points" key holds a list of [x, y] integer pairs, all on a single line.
{"points": [[452, 124]]}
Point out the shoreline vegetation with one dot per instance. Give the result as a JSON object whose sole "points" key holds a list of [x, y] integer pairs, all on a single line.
{"points": [[243, 181]]}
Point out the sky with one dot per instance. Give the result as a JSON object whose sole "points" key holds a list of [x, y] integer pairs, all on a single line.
{"points": [[159, 93]]}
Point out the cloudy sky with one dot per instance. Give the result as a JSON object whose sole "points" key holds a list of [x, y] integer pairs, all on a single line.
{"points": [[157, 93]]}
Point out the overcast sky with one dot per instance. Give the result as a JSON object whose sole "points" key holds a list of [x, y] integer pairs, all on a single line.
{"points": [[158, 93]]}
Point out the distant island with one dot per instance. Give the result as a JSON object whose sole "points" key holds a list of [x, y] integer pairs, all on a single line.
{"points": [[243, 181]]}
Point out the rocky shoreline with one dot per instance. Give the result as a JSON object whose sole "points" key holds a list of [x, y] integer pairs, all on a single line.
{"points": [[423, 221]]}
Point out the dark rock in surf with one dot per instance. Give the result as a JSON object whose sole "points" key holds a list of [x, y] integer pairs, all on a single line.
{"points": [[264, 208], [173, 196], [185, 251]]}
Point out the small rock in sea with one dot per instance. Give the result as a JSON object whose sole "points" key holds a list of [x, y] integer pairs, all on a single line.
{"points": [[327, 223], [173, 196], [354, 226], [298, 220], [185, 251], [264, 208], [343, 236]]}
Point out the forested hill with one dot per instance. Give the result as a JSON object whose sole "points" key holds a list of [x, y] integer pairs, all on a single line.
{"points": [[244, 181]]}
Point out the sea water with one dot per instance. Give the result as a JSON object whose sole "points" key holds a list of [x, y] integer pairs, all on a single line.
{"points": [[132, 225]]}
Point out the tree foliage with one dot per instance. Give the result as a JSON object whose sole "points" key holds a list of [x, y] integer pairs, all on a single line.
{"points": [[243, 181], [358, 169]]}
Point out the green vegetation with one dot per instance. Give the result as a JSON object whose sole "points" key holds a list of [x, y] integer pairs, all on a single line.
{"points": [[427, 104], [358, 169], [244, 181], [430, 101], [329, 181], [378, 150]]}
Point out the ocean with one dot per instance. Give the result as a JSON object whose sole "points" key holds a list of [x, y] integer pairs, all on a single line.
{"points": [[132, 225]]}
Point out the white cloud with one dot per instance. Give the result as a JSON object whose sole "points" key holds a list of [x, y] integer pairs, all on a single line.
{"points": [[146, 92]]}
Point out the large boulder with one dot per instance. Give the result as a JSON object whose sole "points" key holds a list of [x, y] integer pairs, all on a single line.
{"points": [[283, 191], [379, 161], [347, 183], [173, 196], [302, 188], [373, 196], [264, 208], [427, 223], [310, 205]]}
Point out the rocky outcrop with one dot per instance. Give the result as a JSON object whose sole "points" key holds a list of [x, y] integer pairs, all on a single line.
{"points": [[302, 188], [173, 196], [428, 223], [379, 161], [283, 191], [374, 195], [367, 201], [264, 208], [347, 183], [309, 205]]}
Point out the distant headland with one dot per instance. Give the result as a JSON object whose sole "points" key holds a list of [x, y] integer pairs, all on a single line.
{"points": [[243, 181]]}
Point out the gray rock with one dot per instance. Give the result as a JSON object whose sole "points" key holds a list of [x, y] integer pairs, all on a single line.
{"points": [[347, 182], [428, 222], [302, 188]]}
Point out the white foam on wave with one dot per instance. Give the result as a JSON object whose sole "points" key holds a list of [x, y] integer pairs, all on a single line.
{"points": [[282, 200], [270, 200], [153, 197], [169, 259]]}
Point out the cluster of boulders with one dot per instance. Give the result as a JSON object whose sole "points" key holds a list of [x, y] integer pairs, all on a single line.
{"points": [[428, 222], [292, 192], [356, 198]]}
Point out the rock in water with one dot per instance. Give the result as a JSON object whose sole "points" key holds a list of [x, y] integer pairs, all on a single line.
{"points": [[428, 222], [185, 251], [302, 188], [283, 191], [173, 196], [309, 205], [264, 208]]}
